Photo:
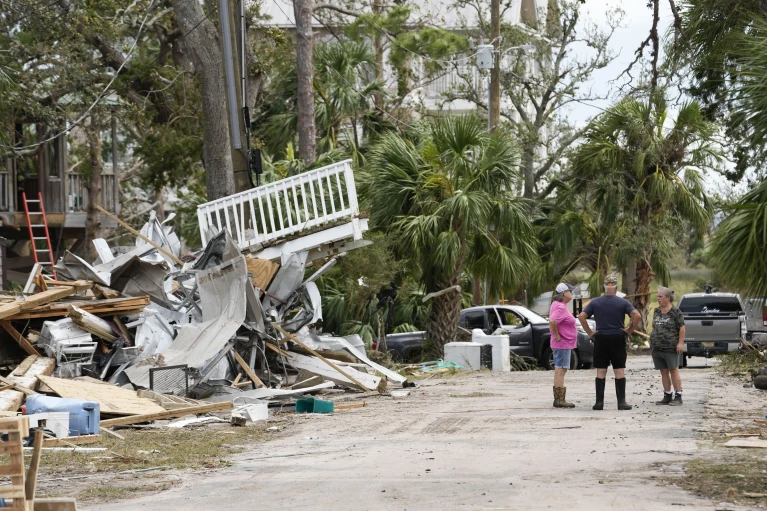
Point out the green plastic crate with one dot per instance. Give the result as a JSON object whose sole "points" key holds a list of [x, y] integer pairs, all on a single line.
{"points": [[311, 405]]}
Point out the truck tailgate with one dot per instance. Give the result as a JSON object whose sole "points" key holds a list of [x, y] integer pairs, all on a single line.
{"points": [[707, 329]]}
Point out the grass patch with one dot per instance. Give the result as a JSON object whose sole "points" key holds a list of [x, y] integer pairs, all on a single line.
{"points": [[112, 492], [206, 447], [740, 364], [738, 478]]}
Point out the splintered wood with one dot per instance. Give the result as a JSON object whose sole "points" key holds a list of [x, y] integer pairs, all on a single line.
{"points": [[17, 429], [112, 399], [11, 400], [96, 307]]}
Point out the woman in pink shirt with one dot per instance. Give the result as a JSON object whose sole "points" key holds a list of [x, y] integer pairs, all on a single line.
{"points": [[564, 339]]}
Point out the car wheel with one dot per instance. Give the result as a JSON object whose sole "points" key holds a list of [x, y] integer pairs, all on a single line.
{"points": [[575, 360], [548, 359], [395, 356]]}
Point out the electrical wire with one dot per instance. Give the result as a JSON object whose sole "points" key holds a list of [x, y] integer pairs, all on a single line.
{"points": [[103, 93], [98, 98]]}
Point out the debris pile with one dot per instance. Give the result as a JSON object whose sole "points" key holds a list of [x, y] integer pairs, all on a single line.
{"points": [[142, 333]]}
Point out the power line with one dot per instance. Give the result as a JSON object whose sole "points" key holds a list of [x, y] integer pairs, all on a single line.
{"points": [[98, 98], [103, 93]]}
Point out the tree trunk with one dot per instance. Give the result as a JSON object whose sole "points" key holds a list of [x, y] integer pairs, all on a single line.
{"points": [[379, 52], [528, 167], [642, 299], [203, 46], [445, 309], [307, 142], [629, 274], [93, 185], [495, 73]]}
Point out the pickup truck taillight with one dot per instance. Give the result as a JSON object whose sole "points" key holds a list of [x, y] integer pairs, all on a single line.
{"points": [[375, 345], [764, 316]]}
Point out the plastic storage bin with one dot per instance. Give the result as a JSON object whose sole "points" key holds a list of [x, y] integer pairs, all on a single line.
{"points": [[84, 415], [311, 405]]}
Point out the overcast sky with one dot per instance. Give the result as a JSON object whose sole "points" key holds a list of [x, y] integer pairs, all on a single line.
{"points": [[625, 42]]}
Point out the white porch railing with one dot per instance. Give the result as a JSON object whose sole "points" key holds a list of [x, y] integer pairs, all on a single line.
{"points": [[324, 196]]}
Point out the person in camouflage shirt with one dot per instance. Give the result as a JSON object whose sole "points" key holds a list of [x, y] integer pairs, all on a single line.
{"points": [[667, 344]]}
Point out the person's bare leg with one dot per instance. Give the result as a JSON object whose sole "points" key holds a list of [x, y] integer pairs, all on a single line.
{"points": [[559, 376], [602, 373], [619, 373], [676, 379], [664, 376]]}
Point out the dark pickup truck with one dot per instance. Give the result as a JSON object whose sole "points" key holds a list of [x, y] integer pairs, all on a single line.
{"points": [[528, 335], [714, 323]]}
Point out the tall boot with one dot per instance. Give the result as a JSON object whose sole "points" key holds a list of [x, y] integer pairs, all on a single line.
{"points": [[620, 392], [600, 386]]}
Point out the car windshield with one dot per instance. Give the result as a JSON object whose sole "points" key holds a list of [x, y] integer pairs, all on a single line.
{"points": [[531, 316], [710, 305]]}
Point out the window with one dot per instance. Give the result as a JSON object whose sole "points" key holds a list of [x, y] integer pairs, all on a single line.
{"points": [[509, 318], [475, 319], [711, 305]]}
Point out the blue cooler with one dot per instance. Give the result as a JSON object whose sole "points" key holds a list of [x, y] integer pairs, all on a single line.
{"points": [[84, 415]]}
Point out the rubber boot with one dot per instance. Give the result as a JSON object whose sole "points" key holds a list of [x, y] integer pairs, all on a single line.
{"points": [[600, 386], [620, 392], [562, 399]]}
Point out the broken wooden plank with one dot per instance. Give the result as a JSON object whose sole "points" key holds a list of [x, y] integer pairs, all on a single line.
{"points": [[168, 401], [97, 307], [110, 432], [354, 405], [11, 400], [111, 398], [752, 443], [10, 309], [245, 367], [8, 387], [25, 365], [23, 342], [105, 292], [331, 364], [91, 323], [168, 414]]}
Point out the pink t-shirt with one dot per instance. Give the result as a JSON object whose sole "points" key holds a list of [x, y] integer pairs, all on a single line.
{"points": [[565, 325]]}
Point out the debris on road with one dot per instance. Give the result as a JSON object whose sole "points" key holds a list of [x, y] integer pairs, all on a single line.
{"points": [[147, 333]]}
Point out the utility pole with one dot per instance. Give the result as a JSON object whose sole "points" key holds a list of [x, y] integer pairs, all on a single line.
{"points": [[307, 143], [494, 108], [231, 38]]}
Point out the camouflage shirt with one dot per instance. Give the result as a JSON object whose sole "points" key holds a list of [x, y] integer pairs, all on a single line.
{"points": [[665, 330]]}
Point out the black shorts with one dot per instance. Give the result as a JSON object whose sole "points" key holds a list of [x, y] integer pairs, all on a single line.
{"points": [[610, 349]]}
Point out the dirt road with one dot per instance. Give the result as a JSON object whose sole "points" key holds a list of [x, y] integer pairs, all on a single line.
{"points": [[484, 441]]}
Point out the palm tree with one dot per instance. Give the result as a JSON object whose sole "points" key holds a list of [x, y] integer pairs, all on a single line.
{"points": [[446, 190], [645, 181], [738, 244]]}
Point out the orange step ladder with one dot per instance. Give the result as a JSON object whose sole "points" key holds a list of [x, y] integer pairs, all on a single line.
{"points": [[41, 224]]}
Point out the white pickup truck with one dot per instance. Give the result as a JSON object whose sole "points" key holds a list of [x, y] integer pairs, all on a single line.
{"points": [[715, 323]]}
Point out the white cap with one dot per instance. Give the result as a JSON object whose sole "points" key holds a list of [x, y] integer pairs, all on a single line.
{"points": [[562, 287]]}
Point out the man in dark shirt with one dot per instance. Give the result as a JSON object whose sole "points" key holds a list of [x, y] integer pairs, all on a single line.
{"points": [[610, 311]]}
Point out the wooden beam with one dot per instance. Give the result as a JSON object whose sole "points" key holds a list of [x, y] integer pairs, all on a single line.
{"points": [[22, 368], [23, 342], [20, 388], [328, 362], [170, 414], [136, 233], [10, 309], [7, 387], [30, 483], [104, 307], [245, 367]]}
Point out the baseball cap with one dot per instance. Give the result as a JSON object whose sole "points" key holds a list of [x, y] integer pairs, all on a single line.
{"points": [[611, 280], [562, 287]]}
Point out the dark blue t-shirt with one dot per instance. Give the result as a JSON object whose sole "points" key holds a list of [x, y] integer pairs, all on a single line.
{"points": [[609, 312]]}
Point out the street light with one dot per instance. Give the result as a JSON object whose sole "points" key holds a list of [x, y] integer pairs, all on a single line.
{"points": [[486, 60]]}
